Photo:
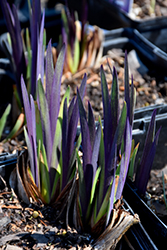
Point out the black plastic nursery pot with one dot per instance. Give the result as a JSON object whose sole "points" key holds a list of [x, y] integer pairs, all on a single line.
{"points": [[112, 17], [7, 164], [128, 39], [154, 227], [136, 236]]}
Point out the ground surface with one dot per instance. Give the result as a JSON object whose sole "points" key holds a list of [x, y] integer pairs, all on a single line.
{"points": [[34, 227]]}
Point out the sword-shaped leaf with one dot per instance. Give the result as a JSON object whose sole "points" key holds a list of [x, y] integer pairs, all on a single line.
{"points": [[144, 168], [44, 174], [86, 143], [49, 72], [4, 118], [91, 124], [125, 159], [132, 160], [34, 26], [107, 115], [126, 83], [45, 120], [55, 96], [114, 104], [41, 50]]}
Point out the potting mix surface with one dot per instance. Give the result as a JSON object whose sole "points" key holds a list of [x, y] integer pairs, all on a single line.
{"points": [[35, 226]]}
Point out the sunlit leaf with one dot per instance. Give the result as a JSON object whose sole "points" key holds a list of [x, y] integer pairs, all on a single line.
{"points": [[4, 118]]}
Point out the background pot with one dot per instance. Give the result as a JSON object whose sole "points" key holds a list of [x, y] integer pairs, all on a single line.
{"points": [[137, 235], [142, 118], [7, 164], [128, 38]]}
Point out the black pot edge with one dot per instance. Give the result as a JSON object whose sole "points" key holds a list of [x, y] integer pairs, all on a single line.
{"points": [[137, 234], [155, 228]]}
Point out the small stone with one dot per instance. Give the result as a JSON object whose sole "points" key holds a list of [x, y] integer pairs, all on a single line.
{"points": [[35, 214], [10, 247], [154, 97], [4, 221], [95, 83]]}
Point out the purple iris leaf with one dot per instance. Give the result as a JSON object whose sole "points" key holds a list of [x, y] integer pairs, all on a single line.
{"points": [[120, 183], [33, 121], [55, 97], [143, 174], [26, 103], [86, 143], [31, 127], [91, 124], [117, 141], [107, 115], [95, 151], [132, 102], [121, 127], [111, 166], [45, 120], [28, 140], [126, 83], [114, 104], [88, 176], [64, 40], [73, 115], [72, 127], [112, 194], [83, 86], [126, 159], [64, 144], [71, 107], [34, 25], [49, 72], [17, 29], [144, 168], [149, 137], [72, 28], [40, 56]]}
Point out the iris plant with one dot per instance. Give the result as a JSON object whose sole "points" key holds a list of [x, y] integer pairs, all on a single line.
{"points": [[84, 46], [106, 153]]}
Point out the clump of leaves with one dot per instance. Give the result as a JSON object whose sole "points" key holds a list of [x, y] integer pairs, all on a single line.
{"points": [[51, 131], [54, 172], [106, 158], [84, 46], [27, 58]]}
